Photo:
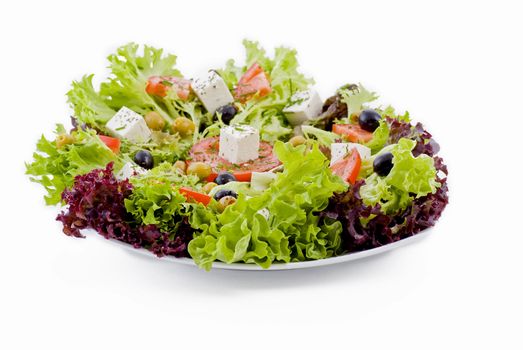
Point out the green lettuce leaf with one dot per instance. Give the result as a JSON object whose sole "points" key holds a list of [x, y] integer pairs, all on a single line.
{"points": [[292, 232], [380, 137], [356, 97], [155, 198], [55, 168], [411, 177], [390, 112], [130, 71], [88, 106], [324, 137]]}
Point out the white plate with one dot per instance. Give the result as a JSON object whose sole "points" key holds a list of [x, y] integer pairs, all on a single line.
{"points": [[280, 266]]}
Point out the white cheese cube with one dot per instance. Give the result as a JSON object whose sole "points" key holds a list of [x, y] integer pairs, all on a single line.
{"points": [[127, 124], [303, 107], [212, 91], [339, 150], [239, 143], [128, 170], [262, 181]]}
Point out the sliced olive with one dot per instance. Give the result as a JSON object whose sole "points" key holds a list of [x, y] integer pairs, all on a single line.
{"points": [[63, 140]]}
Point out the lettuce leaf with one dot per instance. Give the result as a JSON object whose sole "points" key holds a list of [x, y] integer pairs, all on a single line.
{"points": [[55, 168], [411, 177], [129, 74], [356, 97], [324, 137], [155, 199], [88, 106], [292, 232], [380, 137], [266, 113]]}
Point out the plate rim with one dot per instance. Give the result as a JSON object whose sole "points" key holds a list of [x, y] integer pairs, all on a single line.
{"points": [[277, 266]]}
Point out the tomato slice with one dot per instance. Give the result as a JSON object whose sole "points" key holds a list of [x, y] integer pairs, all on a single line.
{"points": [[353, 132], [112, 142], [255, 80], [160, 85], [348, 167], [241, 176], [196, 196], [207, 151]]}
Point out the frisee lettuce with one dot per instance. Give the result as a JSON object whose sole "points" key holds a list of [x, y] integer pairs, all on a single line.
{"points": [[293, 230]]}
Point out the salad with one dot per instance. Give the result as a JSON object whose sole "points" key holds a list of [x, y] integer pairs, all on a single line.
{"points": [[244, 164]]}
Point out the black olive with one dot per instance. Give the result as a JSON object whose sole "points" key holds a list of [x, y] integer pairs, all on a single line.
{"points": [[144, 159], [369, 120], [222, 193], [383, 164], [228, 112], [224, 177]]}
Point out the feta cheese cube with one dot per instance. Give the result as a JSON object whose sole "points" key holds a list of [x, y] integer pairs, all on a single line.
{"points": [[127, 124], [339, 150], [239, 143], [262, 181], [212, 91], [128, 170], [303, 107]]}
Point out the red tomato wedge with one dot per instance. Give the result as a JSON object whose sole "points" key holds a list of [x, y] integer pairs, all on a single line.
{"points": [[255, 80], [196, 196], [207, 151], [353, 132], [111, 142], [158, 86], [348, 167]]}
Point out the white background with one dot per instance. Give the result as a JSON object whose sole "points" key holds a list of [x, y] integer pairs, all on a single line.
{"points": [[454, 65]]}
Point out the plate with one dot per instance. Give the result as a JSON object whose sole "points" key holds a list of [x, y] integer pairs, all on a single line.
{"points": [[280, 266]]}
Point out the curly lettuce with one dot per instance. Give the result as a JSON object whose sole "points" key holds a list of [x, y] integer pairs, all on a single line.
{"points": [[130, 71], [155, 199], [55, 168], [280, 225], [410, 178], [87, 104]]}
